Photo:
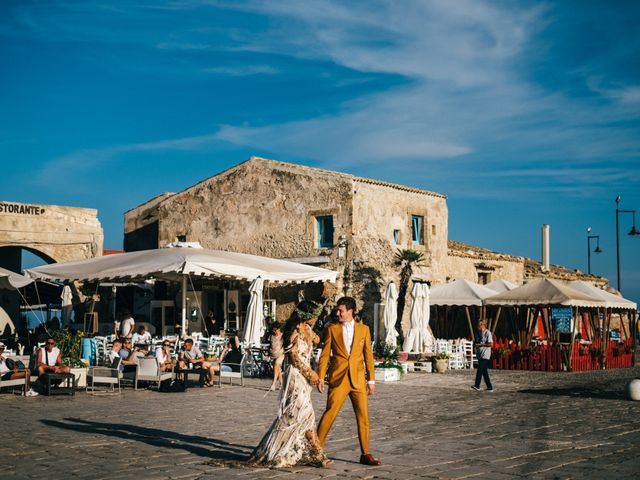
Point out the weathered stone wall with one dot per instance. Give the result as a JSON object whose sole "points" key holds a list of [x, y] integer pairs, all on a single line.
{"points": [[378, 210], [258, 210], [60, 233], [464, 267]]}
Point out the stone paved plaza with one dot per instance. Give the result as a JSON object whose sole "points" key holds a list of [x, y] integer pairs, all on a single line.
{"points": [[542, 425]]}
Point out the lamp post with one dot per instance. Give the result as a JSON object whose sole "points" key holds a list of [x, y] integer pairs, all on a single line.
{"points": [[632, 233], [597, 249]]}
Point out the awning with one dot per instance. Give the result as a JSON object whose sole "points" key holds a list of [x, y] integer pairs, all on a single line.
{"points": [[173, 263], [543, 292], [11, 281], [610, 300], [460, 292]]}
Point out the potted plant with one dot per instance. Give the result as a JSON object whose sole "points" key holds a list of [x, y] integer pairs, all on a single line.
{"points": [[389, 369], [442, 362], [70, 344]]}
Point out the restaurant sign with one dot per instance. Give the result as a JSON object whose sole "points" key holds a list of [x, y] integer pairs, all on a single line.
{"points": [[20, 209], [562, 317]]}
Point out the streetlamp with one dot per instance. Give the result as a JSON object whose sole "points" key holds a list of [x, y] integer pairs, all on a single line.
{"points": [[597, 249], [632, 233]]}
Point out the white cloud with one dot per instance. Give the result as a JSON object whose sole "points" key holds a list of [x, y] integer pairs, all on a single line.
{"points": [[242, 70]]}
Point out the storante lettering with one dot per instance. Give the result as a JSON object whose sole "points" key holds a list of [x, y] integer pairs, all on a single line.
{"points": [[20, 209]]}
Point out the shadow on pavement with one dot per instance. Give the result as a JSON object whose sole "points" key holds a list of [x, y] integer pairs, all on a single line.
{"points": [[579, 392], [210, 448]]}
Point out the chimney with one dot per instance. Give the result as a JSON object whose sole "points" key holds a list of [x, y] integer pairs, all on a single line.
{"points": [[545, 247]]}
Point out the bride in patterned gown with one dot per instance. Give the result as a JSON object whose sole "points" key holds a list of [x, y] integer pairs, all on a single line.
{"points": [[292, 438]]}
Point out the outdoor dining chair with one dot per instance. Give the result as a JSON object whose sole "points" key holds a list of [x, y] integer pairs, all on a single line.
{"points": [[149, 371], [109, 376]]}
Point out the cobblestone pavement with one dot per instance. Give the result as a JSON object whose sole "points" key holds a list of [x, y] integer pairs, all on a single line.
{"points": [[543, 425]]}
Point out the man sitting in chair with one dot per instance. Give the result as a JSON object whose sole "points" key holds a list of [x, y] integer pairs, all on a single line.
{"points": [[50, 359], [191, 357], [9, 371], [142, 337]]}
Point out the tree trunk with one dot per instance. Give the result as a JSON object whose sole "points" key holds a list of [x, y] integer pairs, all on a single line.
{"points": [[405, 276]]}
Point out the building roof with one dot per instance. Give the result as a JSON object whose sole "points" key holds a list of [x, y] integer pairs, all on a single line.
{"points": [[301, 169], [532, 268], [347, 176]]}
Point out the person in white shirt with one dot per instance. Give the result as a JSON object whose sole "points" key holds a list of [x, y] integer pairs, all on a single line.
{"points": [[141, 337], [50, 359], [191, 357], [127, 325], [115, 351], [163, 356]]}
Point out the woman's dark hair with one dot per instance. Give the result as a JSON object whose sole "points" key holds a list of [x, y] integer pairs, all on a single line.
{"points": [[303, 312]]}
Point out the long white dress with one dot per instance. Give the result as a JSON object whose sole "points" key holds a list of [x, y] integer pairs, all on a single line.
{"points": [[292, 438]]}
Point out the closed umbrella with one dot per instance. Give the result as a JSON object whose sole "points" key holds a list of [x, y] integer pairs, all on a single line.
{"points": [[254, 322], [413, 341], [427, 340], [391, 314]]}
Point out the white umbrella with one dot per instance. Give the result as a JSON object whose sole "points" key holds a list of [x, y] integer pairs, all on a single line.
{"points": [[413, 342], [427, 340], [12, 281], [391, 314], [254, 321], [176, 264]]}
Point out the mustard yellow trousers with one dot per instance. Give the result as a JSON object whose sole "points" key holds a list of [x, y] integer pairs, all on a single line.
{"points": [[360, 403]]}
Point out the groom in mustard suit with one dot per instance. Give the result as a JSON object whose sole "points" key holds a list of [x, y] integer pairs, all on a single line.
{"points": [[347, 346]]}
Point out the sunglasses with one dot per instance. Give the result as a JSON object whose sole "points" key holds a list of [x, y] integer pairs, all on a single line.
{"points": [[166, 345], [51, 343]]}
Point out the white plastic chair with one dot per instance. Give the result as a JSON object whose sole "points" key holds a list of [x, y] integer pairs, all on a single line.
{"points": [[149, 371], [470, 359], [456, 361]]}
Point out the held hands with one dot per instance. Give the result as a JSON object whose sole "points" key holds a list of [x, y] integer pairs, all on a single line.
{"points": [[320, 386]]}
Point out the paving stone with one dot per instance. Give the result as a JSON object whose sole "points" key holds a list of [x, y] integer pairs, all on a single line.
{"points": [[543, 425]]}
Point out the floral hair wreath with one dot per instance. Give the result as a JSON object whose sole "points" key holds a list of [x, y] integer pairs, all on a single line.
{"points": [[309, 315]]}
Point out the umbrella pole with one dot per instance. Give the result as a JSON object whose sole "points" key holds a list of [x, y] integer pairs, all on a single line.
{"points": [[497, 319], [466, 309], [183, 295]]}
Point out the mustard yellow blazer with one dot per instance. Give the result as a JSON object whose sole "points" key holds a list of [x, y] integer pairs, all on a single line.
{"points": [[342, 363]]}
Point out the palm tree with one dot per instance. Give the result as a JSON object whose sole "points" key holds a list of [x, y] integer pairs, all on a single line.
{"points": [[407, 259]]}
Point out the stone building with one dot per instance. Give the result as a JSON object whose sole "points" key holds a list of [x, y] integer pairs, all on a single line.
{"points": [[335, 220], [52, 232]]}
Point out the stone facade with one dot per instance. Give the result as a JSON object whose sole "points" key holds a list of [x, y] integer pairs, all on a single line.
{"points": [[58, 233], [272, 208]]}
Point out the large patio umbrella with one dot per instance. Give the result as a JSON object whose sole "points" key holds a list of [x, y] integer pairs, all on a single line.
{"points": [[391, 314], [462, 295], [178, 264], [12, 281], [501, 285], [254, 322], [545, 292], [610, 300]]}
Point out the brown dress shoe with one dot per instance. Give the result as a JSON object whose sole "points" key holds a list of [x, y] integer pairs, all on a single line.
{"points": [[368, 459]]}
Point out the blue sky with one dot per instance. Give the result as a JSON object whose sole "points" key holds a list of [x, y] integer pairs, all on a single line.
{"points": [[523, 113]]}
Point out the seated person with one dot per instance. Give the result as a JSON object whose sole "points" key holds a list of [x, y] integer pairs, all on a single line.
{"points": [[129, 357], [163, 356], [141, 337], [9, 371], [115, 352], [191, 357], [231, 355], [50, 359]]}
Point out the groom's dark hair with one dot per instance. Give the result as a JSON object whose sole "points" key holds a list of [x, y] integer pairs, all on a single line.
{"points": [[348, 302]]}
